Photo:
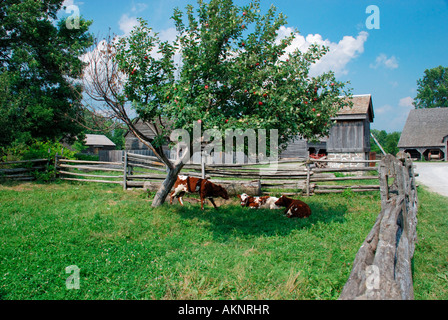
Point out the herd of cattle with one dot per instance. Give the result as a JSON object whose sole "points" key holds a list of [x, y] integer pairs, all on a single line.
{"points": [[209, 190]]}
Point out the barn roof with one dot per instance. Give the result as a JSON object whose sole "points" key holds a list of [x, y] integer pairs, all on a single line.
{"points": [[425, 128], [98, 140], [362, 106], [146, 128]]}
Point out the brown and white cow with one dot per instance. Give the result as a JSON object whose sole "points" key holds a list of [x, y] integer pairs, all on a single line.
{"points": [[258, 202], [294, 208], [205, 188]]}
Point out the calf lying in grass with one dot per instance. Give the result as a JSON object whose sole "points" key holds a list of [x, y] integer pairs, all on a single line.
{"points": [[258, 202], [205, 188], [294, 208]]}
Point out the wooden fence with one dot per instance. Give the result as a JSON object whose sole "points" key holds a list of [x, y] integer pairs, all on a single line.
{"points": [[383, 265], [297, 176], [22, 170]]}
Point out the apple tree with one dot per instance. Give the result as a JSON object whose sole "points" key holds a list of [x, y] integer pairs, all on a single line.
{"points": [[227, 69]]}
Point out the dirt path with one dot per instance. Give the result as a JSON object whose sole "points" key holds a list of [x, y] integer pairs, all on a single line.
{"points": [[434, 175]]}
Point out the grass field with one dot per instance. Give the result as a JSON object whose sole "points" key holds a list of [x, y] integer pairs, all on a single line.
{"points": [[127, 250]]}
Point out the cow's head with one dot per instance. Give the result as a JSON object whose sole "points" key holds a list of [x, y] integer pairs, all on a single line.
{"points": [[221, 192], [281, 202], [244, 199]]}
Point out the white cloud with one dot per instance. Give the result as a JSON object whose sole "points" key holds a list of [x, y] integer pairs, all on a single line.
{"points": [[127, 23], [384, 109], [67, 3], [139, 7], [406, 102], [339, 55], [383, 61]]}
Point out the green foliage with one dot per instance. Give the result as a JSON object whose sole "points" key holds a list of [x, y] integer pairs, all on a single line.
{"points": [[39, 97], [87, 157], [234, 73], [432, 91], [389, 141], [36, 150]]}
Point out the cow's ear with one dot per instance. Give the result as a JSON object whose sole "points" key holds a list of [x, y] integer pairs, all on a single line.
{"points": [[239, 196]]}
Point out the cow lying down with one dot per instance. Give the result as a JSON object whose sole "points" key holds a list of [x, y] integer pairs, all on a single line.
{"points": [[265, 202], [205, 188], [294, 208]]}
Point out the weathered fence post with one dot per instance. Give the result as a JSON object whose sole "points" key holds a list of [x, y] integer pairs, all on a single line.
{"points": [[56, 160], [308, 169], [125, 170], [203, 167], [382, 266]]}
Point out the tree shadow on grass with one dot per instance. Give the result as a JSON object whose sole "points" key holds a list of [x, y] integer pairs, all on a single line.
{"points": [[231, 220]]}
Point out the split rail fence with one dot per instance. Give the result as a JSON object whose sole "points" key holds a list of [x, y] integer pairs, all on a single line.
{"points": [[24, 170], [297, 176], [382, 269]]}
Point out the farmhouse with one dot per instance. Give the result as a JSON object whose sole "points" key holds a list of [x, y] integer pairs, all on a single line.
{"points": [[97, 142], [349, 138], [425, 134]]}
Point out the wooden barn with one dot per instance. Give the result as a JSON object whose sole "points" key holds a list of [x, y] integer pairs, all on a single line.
{"points": [[349, 138], [425, 134], [98, 142], [134, 144]]}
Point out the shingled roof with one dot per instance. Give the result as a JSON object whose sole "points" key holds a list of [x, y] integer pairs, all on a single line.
{"points": [[362, 105], [98, 140], [425, 128]]}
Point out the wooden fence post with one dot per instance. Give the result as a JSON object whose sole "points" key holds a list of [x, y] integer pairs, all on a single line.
{"points": [[202, 167], [125, 169], [383, 265], [56, 160], [308, 169]]}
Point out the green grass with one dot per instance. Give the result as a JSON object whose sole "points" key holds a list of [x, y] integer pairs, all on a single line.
{"points": [[431, 252], [128, 250]]}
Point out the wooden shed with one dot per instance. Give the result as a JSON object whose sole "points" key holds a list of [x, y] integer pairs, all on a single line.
{"points": [[132, 143], [349, 138], [425, 134], [98, 142]]}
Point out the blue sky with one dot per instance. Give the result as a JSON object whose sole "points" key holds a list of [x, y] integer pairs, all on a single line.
{"points": [[384, 62]]}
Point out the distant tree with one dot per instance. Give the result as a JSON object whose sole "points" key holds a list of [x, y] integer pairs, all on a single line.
{"points": [[39, 66], [388, 141], [432, 91]]}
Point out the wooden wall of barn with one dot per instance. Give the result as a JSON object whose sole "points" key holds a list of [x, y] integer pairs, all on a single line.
{"points": [[349, 136]]}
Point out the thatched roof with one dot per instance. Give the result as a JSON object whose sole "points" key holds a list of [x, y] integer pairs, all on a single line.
{"points": [[98, 140], [425, 128], [362, 106]]}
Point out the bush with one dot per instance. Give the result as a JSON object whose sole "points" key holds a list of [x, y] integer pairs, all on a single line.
{"points": [[87, 157], [37, 150], [44, 150]]}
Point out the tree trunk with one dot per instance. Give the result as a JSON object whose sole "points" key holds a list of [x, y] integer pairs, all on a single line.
{"points": [[167, 184]]}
